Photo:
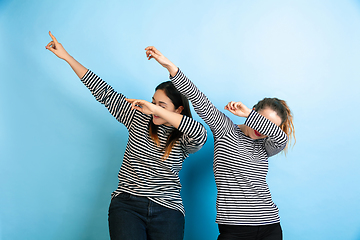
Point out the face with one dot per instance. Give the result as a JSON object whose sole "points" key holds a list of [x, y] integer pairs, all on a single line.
{"points": [[269, 114], [160, 99]]}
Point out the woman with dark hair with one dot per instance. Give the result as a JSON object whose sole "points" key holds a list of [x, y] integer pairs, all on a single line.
{"points": [[147, 203], [245, 209]]}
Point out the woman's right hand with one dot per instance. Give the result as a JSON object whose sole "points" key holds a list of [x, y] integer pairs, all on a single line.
{"points": [[56, 47], [152, 52]]}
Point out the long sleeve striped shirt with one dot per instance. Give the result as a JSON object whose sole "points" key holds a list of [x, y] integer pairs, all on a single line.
{"points": [[240, 163], [143, 171]]}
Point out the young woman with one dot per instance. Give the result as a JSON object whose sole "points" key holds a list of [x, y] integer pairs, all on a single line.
{"points": [[147, 203], [245, 209]]}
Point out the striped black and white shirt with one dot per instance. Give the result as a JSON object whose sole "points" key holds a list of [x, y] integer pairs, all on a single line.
{"points": [[143, 171], [240, 163]]}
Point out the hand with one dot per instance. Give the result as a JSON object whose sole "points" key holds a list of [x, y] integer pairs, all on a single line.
{"points": [[152, 52], [238, 109], [56, 47], [142, 106]]}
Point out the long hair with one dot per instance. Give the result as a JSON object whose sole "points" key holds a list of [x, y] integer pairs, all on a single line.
{"points": [[178, 100], [283, 111]]}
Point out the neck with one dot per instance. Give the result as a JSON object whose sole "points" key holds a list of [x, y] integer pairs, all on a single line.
{"points": [[244, 129]]}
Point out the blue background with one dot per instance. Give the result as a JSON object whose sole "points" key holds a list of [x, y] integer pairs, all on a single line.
{"points": [[60, 150]]}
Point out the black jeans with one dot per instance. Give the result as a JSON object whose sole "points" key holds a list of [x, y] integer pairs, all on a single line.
{"points": [[239, 232], [138, 218]]}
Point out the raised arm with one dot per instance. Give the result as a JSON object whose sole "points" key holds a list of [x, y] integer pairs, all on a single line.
{"points": [[55, 47], [152, 52], [115, 102], [217, 121]]}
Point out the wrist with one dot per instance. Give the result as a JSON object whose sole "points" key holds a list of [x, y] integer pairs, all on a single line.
{"points": [[248, 113], [68, 58], [172, 69]]}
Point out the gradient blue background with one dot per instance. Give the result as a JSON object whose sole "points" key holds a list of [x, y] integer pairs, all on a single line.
{"points": [[60, 150]]}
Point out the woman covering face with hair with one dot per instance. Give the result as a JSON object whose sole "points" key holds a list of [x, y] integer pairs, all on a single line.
{"points": [[147, 203], [245, 209]]}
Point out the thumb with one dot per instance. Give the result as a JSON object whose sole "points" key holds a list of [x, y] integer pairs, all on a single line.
{"points": [[50, 49]]}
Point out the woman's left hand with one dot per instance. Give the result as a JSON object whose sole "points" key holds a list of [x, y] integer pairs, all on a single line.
{"points": [[142, 106], [238, 109]]}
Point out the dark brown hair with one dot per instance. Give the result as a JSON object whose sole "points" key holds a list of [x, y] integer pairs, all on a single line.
{"points": [[178, 100], [283, 111]]}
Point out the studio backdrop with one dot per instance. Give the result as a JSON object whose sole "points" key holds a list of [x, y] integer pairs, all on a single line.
{"points": [[60, 150]]}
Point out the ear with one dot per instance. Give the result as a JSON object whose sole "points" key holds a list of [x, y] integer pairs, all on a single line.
{"points": [[179, 109]]}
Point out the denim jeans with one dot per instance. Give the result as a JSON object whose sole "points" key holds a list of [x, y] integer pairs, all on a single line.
{"points": [[263, 232], [138, 218]]}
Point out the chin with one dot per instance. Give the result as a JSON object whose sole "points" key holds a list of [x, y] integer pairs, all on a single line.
{"points": [[262, 137], [158, 121], [257, 137]]}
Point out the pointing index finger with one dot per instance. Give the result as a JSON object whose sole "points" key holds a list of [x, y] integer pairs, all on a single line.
{"points": [[52, 37]]}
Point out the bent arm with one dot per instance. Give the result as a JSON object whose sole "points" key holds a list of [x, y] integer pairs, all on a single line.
{"points": [[194, 134], [172, 118], [276, 140]]}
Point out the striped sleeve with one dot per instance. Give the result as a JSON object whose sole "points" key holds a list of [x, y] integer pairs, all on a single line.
{"points": [[276, 140], [218, 122], [113, 101], [194, 134]]}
